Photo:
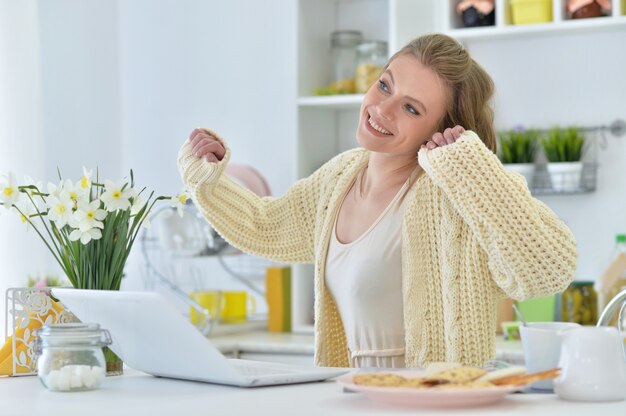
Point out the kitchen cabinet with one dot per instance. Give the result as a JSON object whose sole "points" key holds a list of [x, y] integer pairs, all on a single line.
{"points": [[504, 27], [326, 124], [277, 347]]}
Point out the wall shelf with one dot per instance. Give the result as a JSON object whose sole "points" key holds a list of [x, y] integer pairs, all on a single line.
{"points": [[544, 183], [552, 28], [504, 27], [332, 102]]}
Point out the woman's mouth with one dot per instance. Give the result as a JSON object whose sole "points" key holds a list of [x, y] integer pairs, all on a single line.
{"points": [[376, 129]]}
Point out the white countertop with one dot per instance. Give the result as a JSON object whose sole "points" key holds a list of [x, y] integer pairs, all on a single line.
{"points": [[136, 393]]}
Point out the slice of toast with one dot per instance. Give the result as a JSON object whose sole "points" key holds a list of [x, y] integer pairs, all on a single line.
{"points": [[504, 372], [525, 379]]}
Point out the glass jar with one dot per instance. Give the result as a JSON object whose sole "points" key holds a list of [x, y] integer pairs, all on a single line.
{"points": [[371, 59], [344, 44], [69, 356], [579, 303]]}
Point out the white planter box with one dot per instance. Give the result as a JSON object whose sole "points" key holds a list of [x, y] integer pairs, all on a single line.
{"points": [[565, 176]]}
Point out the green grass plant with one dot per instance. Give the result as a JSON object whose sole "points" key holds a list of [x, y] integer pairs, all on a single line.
{"points": [[518, 146], [564, 144]]}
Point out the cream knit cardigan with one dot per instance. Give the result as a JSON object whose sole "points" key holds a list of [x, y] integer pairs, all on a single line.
{"points": [[472, 233]]}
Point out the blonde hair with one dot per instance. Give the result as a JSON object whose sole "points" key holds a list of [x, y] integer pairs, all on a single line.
{"points": [[470, 88]]}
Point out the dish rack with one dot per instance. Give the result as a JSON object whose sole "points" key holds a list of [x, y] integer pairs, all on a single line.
{"points": [[176, 252]]}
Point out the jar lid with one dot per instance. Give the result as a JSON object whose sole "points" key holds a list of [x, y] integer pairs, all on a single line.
{"points": [[73, 334], [581, 283], [346, 38], [373, 46]]}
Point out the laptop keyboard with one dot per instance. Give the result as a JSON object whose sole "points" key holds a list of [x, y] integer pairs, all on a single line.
{"points": [[251, 370]]}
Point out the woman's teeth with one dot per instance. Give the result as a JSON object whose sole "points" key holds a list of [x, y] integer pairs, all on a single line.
{"points": [[377, 127]]}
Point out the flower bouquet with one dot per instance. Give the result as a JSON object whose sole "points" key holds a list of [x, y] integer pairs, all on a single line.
{"points": [[89, 227]]}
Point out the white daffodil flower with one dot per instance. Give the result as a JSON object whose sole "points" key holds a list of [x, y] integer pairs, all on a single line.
{"points": [[89, 215], [25, 208], [28, 181], [75, 191], [138, 204], [60, 209], [115, 196], [86, 236], [55, 190], [85, 181], [9, 192], [179, 201]]}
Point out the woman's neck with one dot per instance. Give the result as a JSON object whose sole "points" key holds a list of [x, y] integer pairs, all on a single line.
{"points": [[386, 172]]}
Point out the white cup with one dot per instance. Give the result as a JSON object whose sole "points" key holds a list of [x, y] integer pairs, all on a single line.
{"points": [[542, 347], [592, 364]]}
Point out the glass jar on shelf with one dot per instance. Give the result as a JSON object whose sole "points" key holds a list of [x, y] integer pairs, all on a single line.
{"points": [[344, 44], [579, 303], [70, 357], [371, 59]]}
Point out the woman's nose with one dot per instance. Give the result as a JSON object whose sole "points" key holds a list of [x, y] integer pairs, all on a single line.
{"points": [[385, 109]]}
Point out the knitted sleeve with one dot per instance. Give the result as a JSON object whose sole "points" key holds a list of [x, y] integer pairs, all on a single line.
{"points": [[197, 172], [530, 251], [280, 229]]}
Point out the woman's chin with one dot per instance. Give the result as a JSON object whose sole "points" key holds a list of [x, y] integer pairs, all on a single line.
{"points": [[372, 144]]}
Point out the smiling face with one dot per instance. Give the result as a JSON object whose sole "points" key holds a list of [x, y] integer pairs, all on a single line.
{"points": [[403, 109]]}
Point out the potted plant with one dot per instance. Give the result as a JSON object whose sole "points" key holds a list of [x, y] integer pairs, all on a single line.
{"points": [[564, 148], [88, 227], [517, 151]]}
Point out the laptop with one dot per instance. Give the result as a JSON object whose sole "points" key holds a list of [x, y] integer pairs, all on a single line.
{"points": [[150, 335]]}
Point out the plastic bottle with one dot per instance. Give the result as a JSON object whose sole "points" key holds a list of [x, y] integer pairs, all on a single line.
{"points": [[609, 287]]}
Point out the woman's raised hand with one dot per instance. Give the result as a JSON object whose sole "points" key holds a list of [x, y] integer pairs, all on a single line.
{"points": [[205, 146], [448, 136]]}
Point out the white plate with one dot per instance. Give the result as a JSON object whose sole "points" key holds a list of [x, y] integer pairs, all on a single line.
{"points": [[428, 397]]}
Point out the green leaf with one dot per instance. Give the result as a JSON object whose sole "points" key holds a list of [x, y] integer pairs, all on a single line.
{"points": [[564, 144], [518, 146]]}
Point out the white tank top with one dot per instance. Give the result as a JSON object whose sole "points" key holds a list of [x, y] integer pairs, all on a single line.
{"points": [[365, 279]]}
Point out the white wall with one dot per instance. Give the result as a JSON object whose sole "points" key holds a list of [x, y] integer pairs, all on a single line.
{"points": [[120, 84], [569, 78], [21, 136], [229, 66], [81, 95]]}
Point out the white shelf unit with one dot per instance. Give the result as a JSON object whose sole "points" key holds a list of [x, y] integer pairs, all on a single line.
{"points": [[326, 124], [504, 26], [332, 102]]}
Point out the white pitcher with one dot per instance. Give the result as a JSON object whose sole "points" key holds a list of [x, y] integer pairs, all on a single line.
{"points": [[593, 367]]}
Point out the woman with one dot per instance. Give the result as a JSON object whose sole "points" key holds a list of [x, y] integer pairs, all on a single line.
{"points": [[411, 254]]}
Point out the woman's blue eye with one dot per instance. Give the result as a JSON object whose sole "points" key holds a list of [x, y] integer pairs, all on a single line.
{"points": [[382, 86], [411, 110]]}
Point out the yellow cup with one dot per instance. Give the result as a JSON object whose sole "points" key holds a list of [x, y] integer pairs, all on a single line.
{"points": [[237, 306], [211, 300]]}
